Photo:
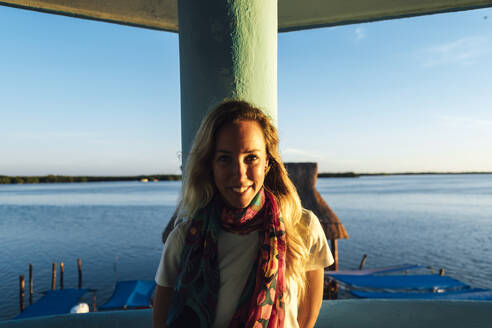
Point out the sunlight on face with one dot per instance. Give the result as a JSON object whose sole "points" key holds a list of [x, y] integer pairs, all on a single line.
{"points": [[240, 162]]}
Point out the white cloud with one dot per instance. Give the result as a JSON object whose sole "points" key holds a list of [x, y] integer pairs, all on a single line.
{"points": [[327, 160], [360, 33], [464, 51], [464, 122], [300, 154]]}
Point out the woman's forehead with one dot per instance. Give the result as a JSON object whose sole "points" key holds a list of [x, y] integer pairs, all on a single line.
{"points": [[241, 135]]}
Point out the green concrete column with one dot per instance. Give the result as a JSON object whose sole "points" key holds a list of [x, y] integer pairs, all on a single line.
{"points": [[228, 49]]}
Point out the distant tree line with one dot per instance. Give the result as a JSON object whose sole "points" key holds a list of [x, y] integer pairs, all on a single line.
{"points": [[67, 179], [423, 173], [339, 175], [357, 175]]}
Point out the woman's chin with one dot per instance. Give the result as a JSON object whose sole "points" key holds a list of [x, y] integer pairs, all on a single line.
{"points": [[238, 202]]}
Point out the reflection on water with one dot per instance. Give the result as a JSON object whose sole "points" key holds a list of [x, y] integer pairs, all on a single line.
{"points": [[443, 221]]}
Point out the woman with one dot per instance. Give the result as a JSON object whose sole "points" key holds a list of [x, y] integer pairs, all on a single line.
{"points": [[245, 254]]}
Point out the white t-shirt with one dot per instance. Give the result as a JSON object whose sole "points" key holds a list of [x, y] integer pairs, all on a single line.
{"points": [[236, 256]]}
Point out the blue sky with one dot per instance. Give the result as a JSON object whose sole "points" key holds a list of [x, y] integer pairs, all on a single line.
{"points": [[81, 97]]}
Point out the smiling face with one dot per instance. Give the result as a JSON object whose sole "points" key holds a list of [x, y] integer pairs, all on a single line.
{"points": [[240, 162]]}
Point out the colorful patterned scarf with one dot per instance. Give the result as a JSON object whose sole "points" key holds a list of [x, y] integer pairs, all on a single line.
{"points": [[262, 301]]}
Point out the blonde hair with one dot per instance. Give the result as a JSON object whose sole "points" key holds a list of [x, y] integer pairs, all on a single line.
{"points": [[198, 185]]}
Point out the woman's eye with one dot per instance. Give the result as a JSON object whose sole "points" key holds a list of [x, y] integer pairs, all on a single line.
{"points": [[251, 158], [223, 158]]}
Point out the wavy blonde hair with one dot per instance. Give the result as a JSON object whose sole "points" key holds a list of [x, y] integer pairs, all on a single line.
{"points": [[198, 185]]}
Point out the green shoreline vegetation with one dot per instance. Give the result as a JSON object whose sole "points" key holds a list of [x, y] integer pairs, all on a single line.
{"points": [[68, 179], [4, 179], [357, 175], [423, 173]]}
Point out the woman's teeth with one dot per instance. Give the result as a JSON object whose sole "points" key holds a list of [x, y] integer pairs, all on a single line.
{"points": [[240, 189]]}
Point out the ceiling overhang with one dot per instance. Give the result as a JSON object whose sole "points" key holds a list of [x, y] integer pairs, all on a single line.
{"points": [[292, 14]]}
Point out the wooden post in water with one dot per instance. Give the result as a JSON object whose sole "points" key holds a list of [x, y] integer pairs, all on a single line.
{"points": [[334, 251], [94, 301], [362, 262], [441, 272], [21, 292], [30, 284], [79, 267], [53, 276], [61, 275], [331, 286]]}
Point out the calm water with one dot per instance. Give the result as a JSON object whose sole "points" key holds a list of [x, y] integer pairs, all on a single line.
{"points": [[442, 221]]}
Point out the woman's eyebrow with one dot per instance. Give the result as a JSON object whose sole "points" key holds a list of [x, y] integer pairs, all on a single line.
{"points": [[247, 151]]}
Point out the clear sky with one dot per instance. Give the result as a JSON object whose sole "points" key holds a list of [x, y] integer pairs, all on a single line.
{"points": [[80, 97]]}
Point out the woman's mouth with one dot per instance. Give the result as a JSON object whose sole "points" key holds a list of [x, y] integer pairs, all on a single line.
{"points": [[240, 190]]}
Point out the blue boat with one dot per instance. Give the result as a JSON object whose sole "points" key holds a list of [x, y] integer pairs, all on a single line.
{"points": [[130, 294], [406, 282], [473, 294], [371, 285], [54, 302]]}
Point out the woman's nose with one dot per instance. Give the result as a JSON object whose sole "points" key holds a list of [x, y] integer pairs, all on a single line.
{"points": [[240, 169]]}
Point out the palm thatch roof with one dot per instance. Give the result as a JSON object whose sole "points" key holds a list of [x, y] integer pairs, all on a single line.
{"points": [[304, 176]]}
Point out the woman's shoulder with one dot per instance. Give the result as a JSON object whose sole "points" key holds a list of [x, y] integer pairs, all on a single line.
{"points": [[181, 224], [315, 241], [308, 219], [310, 228], [178, 234]]}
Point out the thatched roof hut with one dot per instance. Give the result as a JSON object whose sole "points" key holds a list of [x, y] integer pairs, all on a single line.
{"points": [[304, 176]]}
